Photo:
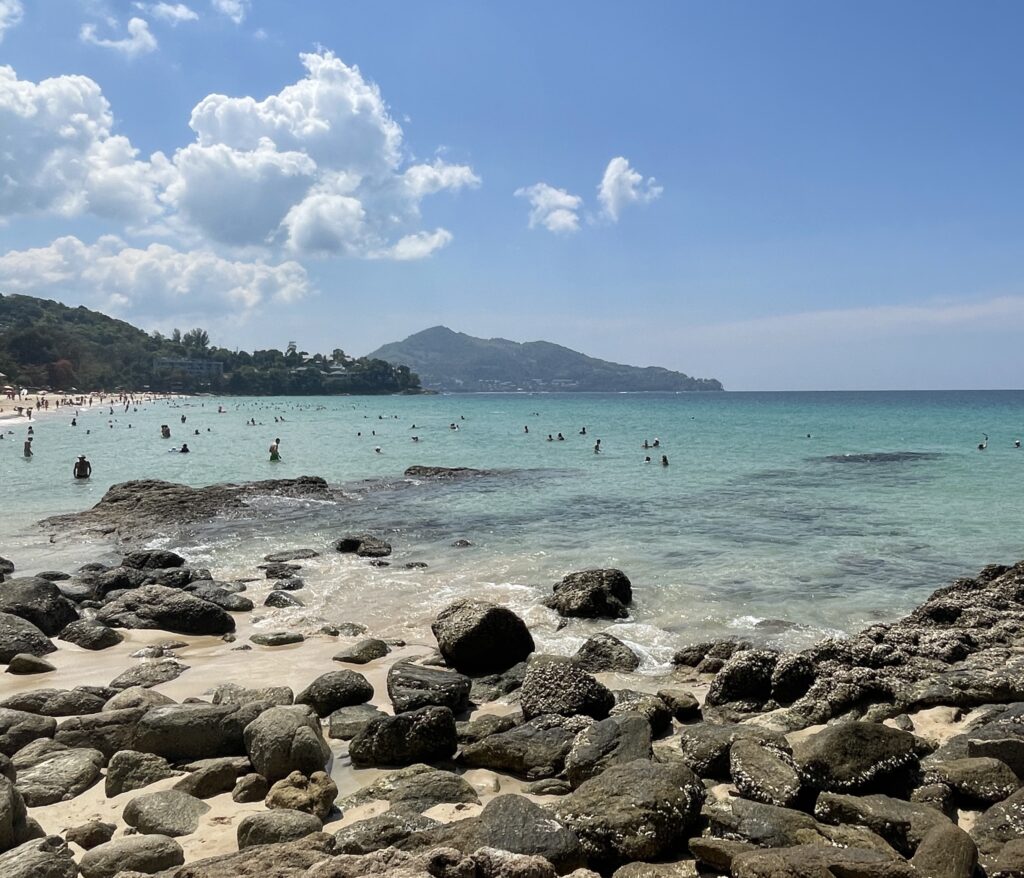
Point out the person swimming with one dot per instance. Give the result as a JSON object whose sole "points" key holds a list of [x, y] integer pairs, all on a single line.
{"points": [[551, 438], [647, 444], [583, 431], [561, 438], [647, 459], [1016, 443], [83, 469], [184, 448], [377, 449], [664, 460], [656, 443]]}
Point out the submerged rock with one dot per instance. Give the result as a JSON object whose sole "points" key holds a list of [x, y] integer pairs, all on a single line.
{"points": [[592, 594]]}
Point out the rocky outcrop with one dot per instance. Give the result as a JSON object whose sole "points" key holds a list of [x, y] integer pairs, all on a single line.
{"points": [[18, 636], [424, 735], [478, 637], [38, 601], [169, 609]]}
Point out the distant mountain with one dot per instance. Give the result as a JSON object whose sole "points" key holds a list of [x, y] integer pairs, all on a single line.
{"points": [[453, 361]]}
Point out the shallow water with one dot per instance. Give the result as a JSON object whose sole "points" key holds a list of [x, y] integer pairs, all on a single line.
{"points": [[754, 529]]}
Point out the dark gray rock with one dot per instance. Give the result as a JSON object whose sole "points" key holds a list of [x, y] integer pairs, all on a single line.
{"points": [[363, 652], [638, 811], [763, 774], [592, 594], [274, 827], [1010, 862], [131, 770], [480, 727], [279, 569], [281, 600], [221, 597], [25, 663], [946, 852], [718, 853], [183, 732], [89, 835], [79, 701], [613, 741], [18, 728], [152, 559], [363, 545], [414, 789], [170, 812], [812, 859], [149, 673], [565, 689], [605, 652], [1002, 823], [58, 776], [134, 853], [705, 747], [424, 735], [19, 636], [682, 703], [551, 786], [232, 693], [693, 654], [478, 637], [15, 825], [974, 780], [40, 858], [277, 638], [108, 732], [537, 749], [857, 756], [38, 601], [286, 739], [169, 609], [745, 680], [344, 724], [494, 687], [336, 689], [412, 686], [211, 780], [793, 675], [250, 788], [515, 824], [377, 833], [291, 555], [649, 706], [90, 634]]}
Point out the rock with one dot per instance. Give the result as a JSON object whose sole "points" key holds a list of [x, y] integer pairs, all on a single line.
{"points": [[613, 741], [152, 559], [169, 609], [744, 681], [149, 673], [89, 835], [108, 732], [334, 690], [18, 636], [376, 833], [517, 825], [794, 674], [364, 546], [424, 735], [183, 732], [90, 634], [279, 570], [592, 594], [414, 790], [274, 827], [25, 663], [137, 696], [1002, 823], [902, 824], [286, 739], [291, 555], [277, 638], [535, 750], [605, 652], [980, 779], [138, 853], [412, 686], [853, 756], [18, 728], [682, 703], [15, 825], [461, 544], [705, 747], [6, 566], [344, 724], [40, 858], [250, 788], [211, 780], [649, 706], [38, 601], [221, 597], [170, 813], [718, 853], [693, 654], [314, 794], [495, 687], [232, 693], [363, 652], [482, 726], [1010, 862], [946, 852], [59, 776], [815, 860], [478, 637], [281, 599], [764, 775], [565, 689], [638, 811], [679, 869]]}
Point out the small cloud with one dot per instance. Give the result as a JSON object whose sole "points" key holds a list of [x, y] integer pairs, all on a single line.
{"points": [[419, 245], [236, 10], [11, 14], [138, 42], [555, 209], [621, 186], [172, 13], [260, 34]]}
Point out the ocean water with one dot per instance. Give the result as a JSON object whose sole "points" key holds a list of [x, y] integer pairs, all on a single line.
{"points": [[781, 517]]}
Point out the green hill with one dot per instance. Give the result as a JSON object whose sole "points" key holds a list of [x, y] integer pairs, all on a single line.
{"points": [[453, 361], [44, 344]]}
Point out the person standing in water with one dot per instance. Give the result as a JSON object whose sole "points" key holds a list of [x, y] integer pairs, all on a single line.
{"points": [[28, 447], [83, 469], [275, 450], [664, 460]]}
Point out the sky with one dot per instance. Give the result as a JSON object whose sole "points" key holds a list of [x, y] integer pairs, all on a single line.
{"points": [[787, 195]]}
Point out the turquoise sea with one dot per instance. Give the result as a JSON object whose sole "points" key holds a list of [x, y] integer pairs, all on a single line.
{"points": [[781, 516]]}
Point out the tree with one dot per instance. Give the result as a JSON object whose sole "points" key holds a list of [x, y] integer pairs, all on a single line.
{"points": [[176, 335], [197, 340]]}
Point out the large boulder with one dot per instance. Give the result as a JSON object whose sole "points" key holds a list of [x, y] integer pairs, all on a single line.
{"points": [[605, 652], [47, 857], [764, 774], [334, 690], [592, 594], [535, 750], [561, 687], [275, 827], [91, 833], [1000, 824], [478, 637], [412, 686], [38, 601], [59, 775], [638, 811], [15, 825], [344, 724], [745, 681], [133, 853], [169, 609], [133, 770], [149, 673], [975, 780], [377, 833], [79, 701], [613, 741], [216, 776], [18, 728], [902, 824], [946, 852], [813, 860], [424, 735], [414, 790], [314, 794], [152, 559], [169, 812], [857, 756], [90, 634], [286, 739], [108, 732], [183, 732], [19, 636], [519, 826]]}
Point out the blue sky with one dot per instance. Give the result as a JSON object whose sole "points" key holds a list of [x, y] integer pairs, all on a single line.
{"points": [[784, 195]]}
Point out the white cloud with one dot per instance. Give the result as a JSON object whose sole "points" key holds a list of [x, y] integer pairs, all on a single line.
{"points": [[138, 42], [59, 155], [621, 186], [427, 179], [326, 223], [157, 279], [11, 13], [172, 13], [236, 10], [554, 209], [419, 245]]}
